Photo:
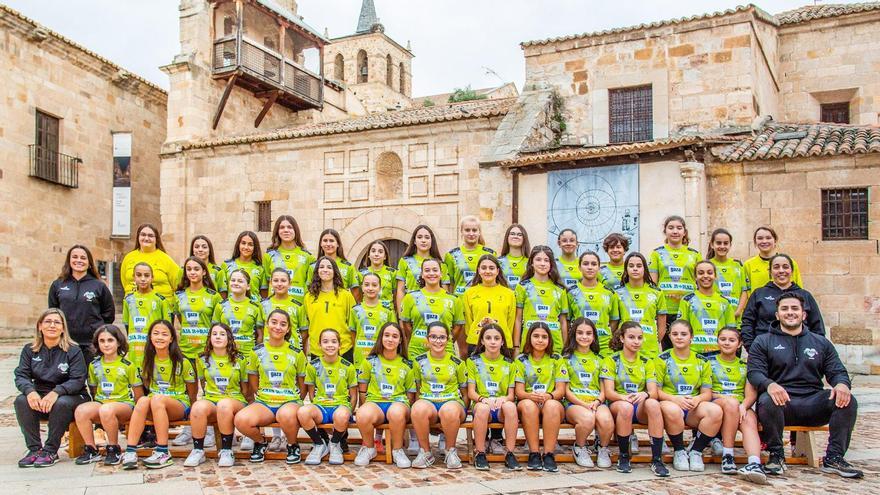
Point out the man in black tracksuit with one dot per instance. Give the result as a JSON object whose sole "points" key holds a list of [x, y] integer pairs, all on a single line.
{"points": [[786, 366]]}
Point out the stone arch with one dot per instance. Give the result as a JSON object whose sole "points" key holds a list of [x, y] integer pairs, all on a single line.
{"points": [[363, 70], [389, 176], [389, 71], [380, 223], [339, 67]]}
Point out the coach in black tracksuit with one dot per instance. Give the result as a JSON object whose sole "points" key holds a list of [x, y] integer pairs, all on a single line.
{"points": [[786, 366]]}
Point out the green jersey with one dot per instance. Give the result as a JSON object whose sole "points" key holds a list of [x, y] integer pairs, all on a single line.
{"points": [[113, 381], [600, 305], [440, 380], [244, 318], [673, 270], [223, 379], [365, 322], [491, 377], [629, 377], [139, 311], [350, 276], [195, 312], [387, 381], [513, 268], [677, 376], [731, 279], [461, 265], [277, 369], [388, 278], [421, 308], [545, 302], [728, 377], [409, 269], [569, 271], [332, 381], [296, 261], [610, 275], [298, 320], [706, 314], [642, 305], [259, 280], [583, 372], [214, 271], [540, 376], [164, 383]]}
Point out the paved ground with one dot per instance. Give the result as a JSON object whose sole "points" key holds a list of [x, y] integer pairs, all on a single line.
{"points": [[275, 477]]}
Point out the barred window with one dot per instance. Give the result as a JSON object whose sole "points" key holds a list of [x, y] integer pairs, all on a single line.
{"points": [[630, 114], [837, 113], [845, 214], [264, 216]]}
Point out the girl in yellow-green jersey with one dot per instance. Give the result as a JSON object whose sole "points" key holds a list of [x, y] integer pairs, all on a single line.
{"points": [[672, 264], [731, 281], [289, 252], [758, 266], [514, 256], [461, 261], [246, 256], [422, 246], [377, 262], [202, 248]]}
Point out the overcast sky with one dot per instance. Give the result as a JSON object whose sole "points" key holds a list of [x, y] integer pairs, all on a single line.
{"points": [[455, 41]]}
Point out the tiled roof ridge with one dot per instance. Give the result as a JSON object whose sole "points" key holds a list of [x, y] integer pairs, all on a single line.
{"points": [[823, 11], [780, 140]]}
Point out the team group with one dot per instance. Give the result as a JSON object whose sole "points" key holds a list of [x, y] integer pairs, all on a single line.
{"points": [[524, 339]]}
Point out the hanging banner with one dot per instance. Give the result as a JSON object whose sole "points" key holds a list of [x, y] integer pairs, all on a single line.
{"points": [[121, 226]]}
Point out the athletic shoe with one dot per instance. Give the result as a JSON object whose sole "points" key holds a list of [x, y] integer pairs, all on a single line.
{"points": [[696, 460], [183, 438], [728, 465], [550, 463], [113, 455], [158, 460], [511, 463], [680, 461], [838, 465], [318, 452], [755, 473], [226, 458], [364, 456], [45, 459], [247, 443], [148, 438], [480, 462], [775, 464], [195, 457], [336, 454], [624, 465], [90, 454], [210, 438], [582, 456], [293, 454], [258, 454], [658, 468], [535, 463], [496, 447], [129, 460], [400, 458], [634, 444], [452, 460], [423, 460], [717, 447], [278, 443], [28, 459], [603, 458], [441, 442]]}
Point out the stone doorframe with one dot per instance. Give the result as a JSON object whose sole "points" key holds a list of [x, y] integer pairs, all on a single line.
{"points": [[379, 223]]}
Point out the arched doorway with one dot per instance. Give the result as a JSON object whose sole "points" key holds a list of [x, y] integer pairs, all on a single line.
{"points": [[396, 247]]}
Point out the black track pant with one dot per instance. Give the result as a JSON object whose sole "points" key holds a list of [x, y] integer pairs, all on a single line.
{"points": [[815, 409], [59, 418]]}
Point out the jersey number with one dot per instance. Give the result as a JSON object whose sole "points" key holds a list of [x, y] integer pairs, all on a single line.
{"points": [[489, 303], [326, 306]]}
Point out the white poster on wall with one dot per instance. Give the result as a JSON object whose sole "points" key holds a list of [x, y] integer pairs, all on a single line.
{"points": [[121, 223]]}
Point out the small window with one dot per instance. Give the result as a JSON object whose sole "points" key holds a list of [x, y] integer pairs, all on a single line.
{"points": [[402, 74], [845, 214], [264, 216], [363, 71], [339, 68], [389, 71], [837, 113], [630, 115]]}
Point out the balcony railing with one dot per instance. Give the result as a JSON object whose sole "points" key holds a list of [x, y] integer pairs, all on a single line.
{"points": [[269, 69], [53, 166]]}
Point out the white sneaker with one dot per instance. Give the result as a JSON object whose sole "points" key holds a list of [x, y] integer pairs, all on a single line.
{"points": [[441, 442], [210, 439], [413, 447], [496, 447], [717, 447], [247, 444], [318, 452], [400, 458], [364, 456], [696, 460], [634, 444], [336, 453], [680, 461], [129, 460], [278, 443], [603, 459], [452, 459], [423, 460], [226, 458], [195, 457], [183, 438], [582, 457]]}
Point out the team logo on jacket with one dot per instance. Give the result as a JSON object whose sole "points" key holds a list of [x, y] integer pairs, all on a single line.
{"points": [[810, 352], [62, 367], [779, 347], [90, 296]]}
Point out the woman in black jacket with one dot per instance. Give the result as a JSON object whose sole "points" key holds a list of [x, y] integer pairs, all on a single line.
{"points": [[760, 310], [83, 297], [51, 377]]}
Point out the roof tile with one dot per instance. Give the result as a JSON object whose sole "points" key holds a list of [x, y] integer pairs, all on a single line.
{"points": [[801, 141]]}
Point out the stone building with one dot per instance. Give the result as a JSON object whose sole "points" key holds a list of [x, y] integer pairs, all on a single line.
{"points": [[69, 115]]}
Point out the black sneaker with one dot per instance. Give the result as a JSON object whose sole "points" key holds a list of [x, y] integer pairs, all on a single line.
{"points": [[480, 461], [259, 452], [29, 459], [511, 463], [658, 468], [148, 439], [775, 464], [550, 463], [754, 472], [114, 455], [838, 465], [293, 455], [90, 454], [624, 465], [535, 463], [728, 465]]}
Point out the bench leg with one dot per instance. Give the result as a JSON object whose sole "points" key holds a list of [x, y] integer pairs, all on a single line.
{"points": [[218, 438], [75, 442], [387, 438], [806, 445], [469, 443]]}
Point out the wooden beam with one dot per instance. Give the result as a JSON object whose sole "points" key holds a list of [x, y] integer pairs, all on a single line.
{"points": [[220, 106], [266, 107]]}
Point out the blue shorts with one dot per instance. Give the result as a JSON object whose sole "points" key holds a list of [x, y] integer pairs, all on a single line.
{"points": [[438, 405], [327, 413], [635, 414], [274, 409], [385, 405]]}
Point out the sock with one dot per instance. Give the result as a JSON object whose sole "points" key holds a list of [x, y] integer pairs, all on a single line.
{"points": [[199, 443], [656, 447], [226, 441], [324, 436], [162, 448], [131, 448], [337, 436], [496, 434], [700, 441], [315, 435], [754, 459], [677, 441], [623, 444], [727, 451]]}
